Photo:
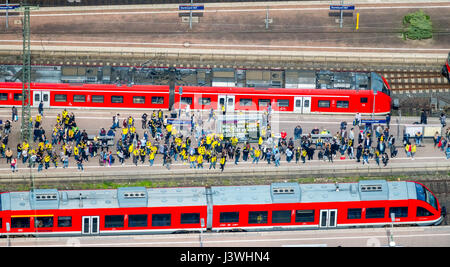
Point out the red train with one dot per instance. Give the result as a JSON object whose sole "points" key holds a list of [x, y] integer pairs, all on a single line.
{"points": [[279, 206], [373, 97], [446, 68]]}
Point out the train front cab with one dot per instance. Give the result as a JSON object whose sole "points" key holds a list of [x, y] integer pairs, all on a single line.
{"points": [[382, 94], [446, 68], [428, 209]]}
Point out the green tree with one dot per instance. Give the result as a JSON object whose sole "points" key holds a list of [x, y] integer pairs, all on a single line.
{"points": [[418, 26]]}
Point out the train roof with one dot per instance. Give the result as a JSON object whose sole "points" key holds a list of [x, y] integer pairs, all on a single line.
{"points": [[42, 199], [313, 193]]}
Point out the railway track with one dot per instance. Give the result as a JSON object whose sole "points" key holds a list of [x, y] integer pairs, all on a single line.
{"points": [[426, 79]]}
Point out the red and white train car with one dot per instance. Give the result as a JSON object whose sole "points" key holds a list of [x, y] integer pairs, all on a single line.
{"points": [[375, 99], [279, 206]]}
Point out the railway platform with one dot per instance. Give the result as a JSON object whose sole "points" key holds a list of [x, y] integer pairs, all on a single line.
{"points": [[428, 159]]}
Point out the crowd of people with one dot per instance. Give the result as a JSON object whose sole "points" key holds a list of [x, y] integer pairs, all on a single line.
{"points": [[199, 148]]}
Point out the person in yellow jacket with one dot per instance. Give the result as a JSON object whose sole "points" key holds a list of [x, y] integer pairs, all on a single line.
{"points": [[142, 154], [136, 153], [413, 151], [200, 161], [260, 141], [223, 161], [151, 158], [192, 159], [47, 161], [213, 161], [256, 156]]}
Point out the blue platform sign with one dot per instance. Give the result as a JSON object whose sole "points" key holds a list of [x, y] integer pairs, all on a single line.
{"points": [[8, 7], [342, 7], [191, 7], [373, 121]]}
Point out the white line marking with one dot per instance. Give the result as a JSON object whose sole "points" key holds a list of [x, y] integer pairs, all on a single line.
{"points": [[233, 45]]}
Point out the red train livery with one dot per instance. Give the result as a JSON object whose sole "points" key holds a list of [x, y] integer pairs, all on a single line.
{"points": [[324, 101], [446, 69], [278, 206]]}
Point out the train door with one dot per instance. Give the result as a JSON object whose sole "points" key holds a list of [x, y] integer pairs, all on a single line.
{"points": [[306, 105], [90, 225], [298, 104], [43, 96], [328, 218], [227, 101]]}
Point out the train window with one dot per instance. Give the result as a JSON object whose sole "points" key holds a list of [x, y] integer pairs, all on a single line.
{"points": [[60, 98], [425, 195], [64, 221], [354, 213], [117, 99], [283, 102], [229, 217], [98, 99], [245, 102], [139, 99], [399, 212], [3, 96], [17, 97], [306, 103], [43, 222], [112, 221], [281, 216], [138, 220], [37, 98], [324, 104], [263, 102], [190, 218], [256, 217], [79, 98], [204, 101], [186, 100], [157, 100], [363, 100], [374, 213], [20, 222], [1, 223], [161, 219], [298, 103], [422, 212], [304, 216], [342, 104]]}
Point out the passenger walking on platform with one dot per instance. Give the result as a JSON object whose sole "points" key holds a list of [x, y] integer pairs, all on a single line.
{"points": [[237, 155], [65, 161], [80, 163], [366, 153], [442, 119], [8, 154], [41, 108], [223, 161], [213, 161], [256, 155], [14, 116], [13, 165], [200, 162], [385, 159]]}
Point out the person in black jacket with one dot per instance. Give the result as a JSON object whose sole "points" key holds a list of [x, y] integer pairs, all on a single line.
{"points": [[359, 150]]}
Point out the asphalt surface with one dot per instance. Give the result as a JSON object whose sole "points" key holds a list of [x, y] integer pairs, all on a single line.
{"points": [[370, 237]]}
